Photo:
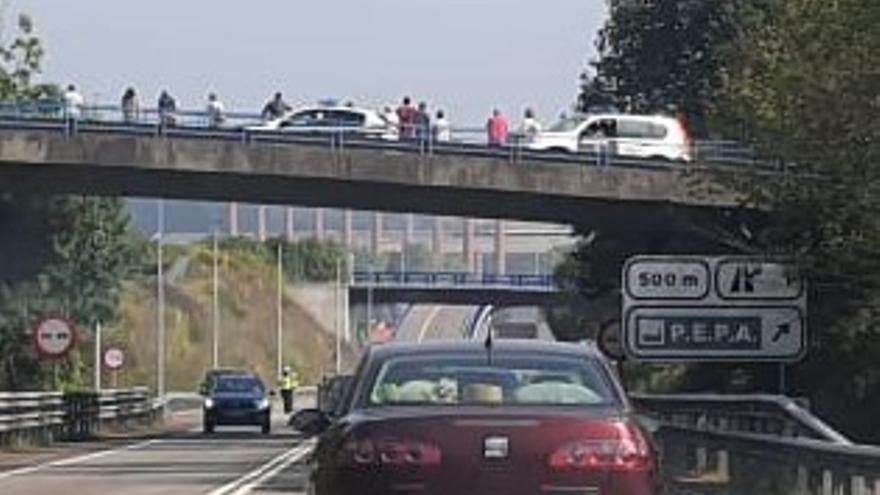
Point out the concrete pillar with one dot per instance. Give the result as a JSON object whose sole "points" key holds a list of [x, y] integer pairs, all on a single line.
{"points": [[288, 224], [469, 245], [233, 218], [319, 224], [347, 230], [802, 484], [437, 241], [261, 223], [827, 483], [500, 247], [376, 234]]}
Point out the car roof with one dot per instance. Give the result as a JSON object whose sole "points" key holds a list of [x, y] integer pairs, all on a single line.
{"points": [[469, 347], [629, 116]]}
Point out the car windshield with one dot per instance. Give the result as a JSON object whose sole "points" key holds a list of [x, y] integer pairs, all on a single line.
{"points": [[567, 124], [241, 384], [524, 381]]}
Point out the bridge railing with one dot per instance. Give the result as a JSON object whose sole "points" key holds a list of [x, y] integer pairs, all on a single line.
{"points": [[41, 417], [454, 280], [238, 126]]}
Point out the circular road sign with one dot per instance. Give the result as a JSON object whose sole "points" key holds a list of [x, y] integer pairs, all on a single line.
{"points": [[608, 340], [114, 358], [54, 337]]}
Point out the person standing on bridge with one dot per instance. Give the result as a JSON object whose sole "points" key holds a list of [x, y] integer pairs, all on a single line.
{"points": [[131, 108], [442, 128], [167, 108], [275, 108], [497, 128], [288, 382], [530, 126], [406, 116], [73, 103], [422, 122], [215, 111]]}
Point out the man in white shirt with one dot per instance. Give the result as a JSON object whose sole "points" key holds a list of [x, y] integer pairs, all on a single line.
{"points": [[215, 111], [530, 125], [73, 103], [442, 128]]}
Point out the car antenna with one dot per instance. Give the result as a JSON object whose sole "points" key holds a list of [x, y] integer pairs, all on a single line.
{"points": [[489, 341]]}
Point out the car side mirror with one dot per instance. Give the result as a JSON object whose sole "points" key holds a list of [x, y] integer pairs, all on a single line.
{"points": [[272, 393], [203, 389], [310, 422]]}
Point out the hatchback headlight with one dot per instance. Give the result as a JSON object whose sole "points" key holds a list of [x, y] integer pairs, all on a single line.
{"points": [[209, 403], [263, 403]]}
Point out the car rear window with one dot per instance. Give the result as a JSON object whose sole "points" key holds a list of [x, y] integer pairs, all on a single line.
{"points": [[523, 381]]}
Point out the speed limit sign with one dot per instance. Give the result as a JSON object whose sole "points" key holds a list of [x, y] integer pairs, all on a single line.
{"points": [[114, 358], [54, 337]]}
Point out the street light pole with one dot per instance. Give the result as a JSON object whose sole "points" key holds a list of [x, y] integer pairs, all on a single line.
{"points": [[369, 297], [337, 318], [98, 356], [215, 341], [279, 314], [160, 297]]}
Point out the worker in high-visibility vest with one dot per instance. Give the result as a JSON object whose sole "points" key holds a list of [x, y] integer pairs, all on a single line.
{"points": [[288, 382]]}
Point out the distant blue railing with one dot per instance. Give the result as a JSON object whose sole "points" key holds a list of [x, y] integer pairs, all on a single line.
{"points": [[455, 280]]}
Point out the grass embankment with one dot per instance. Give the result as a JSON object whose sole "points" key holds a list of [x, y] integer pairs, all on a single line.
{"points": [[247, 333]]}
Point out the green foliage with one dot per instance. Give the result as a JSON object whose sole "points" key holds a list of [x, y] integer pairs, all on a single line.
{"points": [[307, 260], [660, 55], [21, 64]]}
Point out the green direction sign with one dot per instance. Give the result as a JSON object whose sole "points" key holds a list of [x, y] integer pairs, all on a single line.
{"points": [[712, 308]]}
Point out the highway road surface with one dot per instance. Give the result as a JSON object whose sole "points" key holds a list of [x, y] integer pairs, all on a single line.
{"points": [[233, 461]]}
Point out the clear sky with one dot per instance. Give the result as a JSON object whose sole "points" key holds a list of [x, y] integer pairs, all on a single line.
{"points": [[464, 55]]}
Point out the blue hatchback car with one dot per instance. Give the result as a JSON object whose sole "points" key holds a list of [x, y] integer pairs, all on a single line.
{"points": [[237, 399]]}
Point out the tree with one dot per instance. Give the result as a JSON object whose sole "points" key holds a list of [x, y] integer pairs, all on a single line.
{"points": [[664, 55]]}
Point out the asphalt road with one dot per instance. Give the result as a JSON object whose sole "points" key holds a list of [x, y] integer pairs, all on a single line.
{"points": [[233, 461]]}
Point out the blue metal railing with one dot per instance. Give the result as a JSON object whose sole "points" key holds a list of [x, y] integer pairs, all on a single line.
{"points": [[462, 280], [239, 126]]}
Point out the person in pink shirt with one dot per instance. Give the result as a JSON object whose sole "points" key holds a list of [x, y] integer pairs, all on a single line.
{"points": [[497, 127]]}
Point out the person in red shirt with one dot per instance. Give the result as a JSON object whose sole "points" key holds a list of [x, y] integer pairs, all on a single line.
{"points": [[497, 128], [406, 116]]}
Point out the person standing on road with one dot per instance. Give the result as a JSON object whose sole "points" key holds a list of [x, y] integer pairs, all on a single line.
{"points": [[215, 111], [288, 383], [497, 128], [442, 128], [422, 122], [131, 108], [406, 115], [73, 103], [167, 108], [275, 108]]}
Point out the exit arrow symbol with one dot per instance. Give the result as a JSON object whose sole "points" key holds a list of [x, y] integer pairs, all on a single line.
{"points": [[783, 329]]}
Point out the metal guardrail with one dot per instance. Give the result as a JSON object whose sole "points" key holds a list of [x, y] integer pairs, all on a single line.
{"points": [[755, 444], [454, 280], [770, 415], [45, 416], [51, 115]]}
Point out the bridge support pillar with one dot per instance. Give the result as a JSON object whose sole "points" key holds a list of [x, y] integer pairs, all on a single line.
{"points": [[347, 230], [376, 234], [288, 224], [437, 242], [233, 218], [319, 224], [469, 245], [261, 223], [500, 247], [409, 230]]}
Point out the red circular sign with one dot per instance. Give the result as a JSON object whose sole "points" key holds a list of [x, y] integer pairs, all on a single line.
{"points": [[114, 358], [54, 337]]}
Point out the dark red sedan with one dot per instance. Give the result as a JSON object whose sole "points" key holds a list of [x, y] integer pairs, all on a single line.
{"points": [[513, 417]]}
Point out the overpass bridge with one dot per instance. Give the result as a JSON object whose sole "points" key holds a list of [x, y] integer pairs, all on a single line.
{"points": [[458, 288], [103, 155]]}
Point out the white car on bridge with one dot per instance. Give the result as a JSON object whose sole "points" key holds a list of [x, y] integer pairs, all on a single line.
{"points": [[331, 119], [636, 136]]}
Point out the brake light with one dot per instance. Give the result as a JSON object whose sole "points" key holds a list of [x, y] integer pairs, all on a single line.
{"points": [[392, 452], [628, 452]]}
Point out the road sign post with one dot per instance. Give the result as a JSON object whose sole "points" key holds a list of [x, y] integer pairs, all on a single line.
{"points": [[694, 308]]}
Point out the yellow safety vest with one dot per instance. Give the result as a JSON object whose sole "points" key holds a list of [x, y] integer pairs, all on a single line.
{"points": [[289, 381]]}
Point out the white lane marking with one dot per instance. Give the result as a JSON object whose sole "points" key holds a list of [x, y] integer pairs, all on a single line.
{"points": [[77, 459], [427, 322], [248, 481]]}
